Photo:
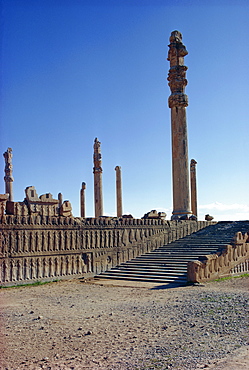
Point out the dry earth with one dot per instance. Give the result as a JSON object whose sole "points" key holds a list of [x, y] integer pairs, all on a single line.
{"points": [[77, 325]]}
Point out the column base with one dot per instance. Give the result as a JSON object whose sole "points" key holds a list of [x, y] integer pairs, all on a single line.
{"points": [[181, 215]]}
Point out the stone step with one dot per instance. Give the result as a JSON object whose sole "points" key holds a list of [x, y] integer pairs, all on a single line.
{"points": [[169, 258], [147, 272], [168, 263], [173, 265], [157, 269], [186, 245], [164, 266], [179, 251], [206, 238], [143, 278]]}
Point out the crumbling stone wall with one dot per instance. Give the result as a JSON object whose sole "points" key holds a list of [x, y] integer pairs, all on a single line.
{"points": [[41, 248]]}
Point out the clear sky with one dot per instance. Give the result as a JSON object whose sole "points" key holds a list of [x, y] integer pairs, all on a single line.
{"points": [[73, 70]]}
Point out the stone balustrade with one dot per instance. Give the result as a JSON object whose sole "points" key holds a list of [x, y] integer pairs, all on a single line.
{"points": [[230, 260], [41, 248]]}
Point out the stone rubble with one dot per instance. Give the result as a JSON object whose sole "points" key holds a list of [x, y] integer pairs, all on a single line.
{"points": [[103, 327]]}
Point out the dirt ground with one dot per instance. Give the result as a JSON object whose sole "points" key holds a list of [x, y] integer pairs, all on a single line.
{"points": [[137, 326]]}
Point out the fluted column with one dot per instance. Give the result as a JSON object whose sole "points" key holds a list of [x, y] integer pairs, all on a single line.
{"points": [[178, 101], [8, 178], [119, 191], [193, 164], [97, 170], [82, 200]]}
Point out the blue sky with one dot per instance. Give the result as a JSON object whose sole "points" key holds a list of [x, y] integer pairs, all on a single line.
{"points": [[73, 70]]}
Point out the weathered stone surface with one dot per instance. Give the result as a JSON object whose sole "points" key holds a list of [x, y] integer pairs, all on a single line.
{"points": [[8, 178], [31, 194], [154, 215], [37, 247], [193, 164], [3, 200], [229, 260], [66, 209], [97, 171], [119, 191], [48, 198], [43, 205], [82, 200], [208, 217], [178, 102]]}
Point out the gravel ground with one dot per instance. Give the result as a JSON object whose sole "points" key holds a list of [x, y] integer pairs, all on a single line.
{"points": [[76, 325]]}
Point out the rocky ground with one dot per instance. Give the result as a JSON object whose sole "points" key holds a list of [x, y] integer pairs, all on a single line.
{"points": [[77, 325]]}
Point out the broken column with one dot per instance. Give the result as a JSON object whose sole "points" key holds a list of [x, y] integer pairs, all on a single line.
{"points": [[82, 200], [8, 178], [119, 191], [97, 170], [60, 199], [193, 164], [178, 101]]}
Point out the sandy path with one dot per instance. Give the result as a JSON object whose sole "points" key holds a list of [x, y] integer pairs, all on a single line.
{"points": [[74, 325]]}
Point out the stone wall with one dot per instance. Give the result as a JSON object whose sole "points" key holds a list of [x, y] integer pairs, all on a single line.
{"points": [[229, 260], [43, 248]]}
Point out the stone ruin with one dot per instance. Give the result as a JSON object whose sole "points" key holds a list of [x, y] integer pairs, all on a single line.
{"points": [[44, 205], [155, 215]]}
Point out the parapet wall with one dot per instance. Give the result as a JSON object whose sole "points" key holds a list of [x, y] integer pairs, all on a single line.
{"points": [[227, 261], [43, 248]]}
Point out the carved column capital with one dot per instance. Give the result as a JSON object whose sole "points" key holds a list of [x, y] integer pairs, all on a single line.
{"points": [[97, 170], [177, 72], [193, 164], [178, 100], [8, 178]]}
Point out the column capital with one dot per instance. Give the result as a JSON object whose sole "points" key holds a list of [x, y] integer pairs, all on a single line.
{"points": [[177, 72], [193, 164], [178, 100]]}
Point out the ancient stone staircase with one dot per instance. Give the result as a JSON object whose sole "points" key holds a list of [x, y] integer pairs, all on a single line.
{"points": [[168, 264]]}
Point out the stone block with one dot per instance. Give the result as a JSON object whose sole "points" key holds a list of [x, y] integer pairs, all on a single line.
{"points": [[66, 209], [31, 194]]}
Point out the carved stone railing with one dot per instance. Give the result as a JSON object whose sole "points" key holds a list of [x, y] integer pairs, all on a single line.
{"points": [[229, 260], [44, 248]]}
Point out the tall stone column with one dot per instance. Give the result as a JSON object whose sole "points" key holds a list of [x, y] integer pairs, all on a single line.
{"points": [[97, 170], [82, 200], [193, 164], [178, 101], [8, 178], [119, 191]]}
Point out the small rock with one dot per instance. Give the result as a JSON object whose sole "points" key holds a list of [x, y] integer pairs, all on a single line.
{"points": [[89, 332]]}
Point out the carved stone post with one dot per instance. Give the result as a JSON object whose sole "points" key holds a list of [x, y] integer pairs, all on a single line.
{"points": [[193, 164], [82, 200], [97, 170], [60, 199], [178, 101], [8, 178], [119, 191]]}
